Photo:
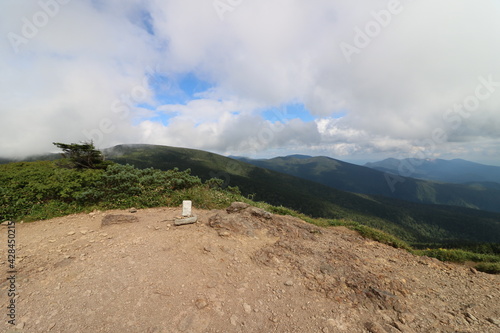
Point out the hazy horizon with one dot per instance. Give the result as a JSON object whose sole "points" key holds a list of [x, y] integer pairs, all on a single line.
{"points": [[360, 162]]}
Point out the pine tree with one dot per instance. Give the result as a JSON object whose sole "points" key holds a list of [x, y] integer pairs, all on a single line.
{"points": [[82, 156]]}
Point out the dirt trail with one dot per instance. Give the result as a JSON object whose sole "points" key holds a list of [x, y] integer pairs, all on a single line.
{"points": [[248, 271]]}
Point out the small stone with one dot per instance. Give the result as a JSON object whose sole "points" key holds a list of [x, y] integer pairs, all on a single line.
{"points": [[494, 321], [247, 308], [201, 303], [207, 249], [224, 233], [470, 316], [289, 283], [71, 233], [188, 220], [373, 327], [332, 322], [132, 210], [234, 320], [83, 232], [21, 325], [326, 269]]}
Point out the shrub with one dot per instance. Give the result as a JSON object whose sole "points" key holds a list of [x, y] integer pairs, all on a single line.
{"points": [[27, 185], [282, 210], [43, 190], [489, 267], [124, 185], [215, 183]]}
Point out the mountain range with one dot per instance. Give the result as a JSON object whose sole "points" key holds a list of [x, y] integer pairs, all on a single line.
{"points": [[478, 193], [450, 171]]}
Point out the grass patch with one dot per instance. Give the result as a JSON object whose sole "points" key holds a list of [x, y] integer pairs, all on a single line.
{"points": [[458, 255], [381, 237], [489, 267]]}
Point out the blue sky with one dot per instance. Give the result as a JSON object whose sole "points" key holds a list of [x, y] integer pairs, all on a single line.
{"points": [[188, 87], [355, 81]]}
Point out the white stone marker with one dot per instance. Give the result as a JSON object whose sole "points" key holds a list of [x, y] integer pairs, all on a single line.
{"points": [[186, 208]]}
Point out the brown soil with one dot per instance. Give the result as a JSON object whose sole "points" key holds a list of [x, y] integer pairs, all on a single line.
{"points": [[247, 271]]}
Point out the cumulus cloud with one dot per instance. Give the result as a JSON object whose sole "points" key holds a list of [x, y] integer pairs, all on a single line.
{"points": [[89, 71]]}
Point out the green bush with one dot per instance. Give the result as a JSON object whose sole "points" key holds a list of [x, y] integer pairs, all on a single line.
{"points": [[489, 267], [26, 185], [40, 190], [124, 185]]}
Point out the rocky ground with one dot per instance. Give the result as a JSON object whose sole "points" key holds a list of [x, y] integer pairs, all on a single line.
{"points": [[241, 270]]}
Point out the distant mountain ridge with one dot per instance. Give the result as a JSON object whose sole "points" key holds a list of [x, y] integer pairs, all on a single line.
{"points": [[361, 179], [451, 171]]}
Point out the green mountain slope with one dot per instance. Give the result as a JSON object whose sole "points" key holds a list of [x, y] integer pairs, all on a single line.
{"points": [[415, 223], [359, 179]]}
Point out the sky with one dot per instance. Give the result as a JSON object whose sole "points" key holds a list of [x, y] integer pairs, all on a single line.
{"points": [[356, 80]]}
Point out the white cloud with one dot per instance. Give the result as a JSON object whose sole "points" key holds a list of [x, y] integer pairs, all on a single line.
{"points": [[66, 80]]}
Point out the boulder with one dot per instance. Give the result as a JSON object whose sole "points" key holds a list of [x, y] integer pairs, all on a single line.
{"points": [[237, 207], [258, 212], [118, 219]]}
